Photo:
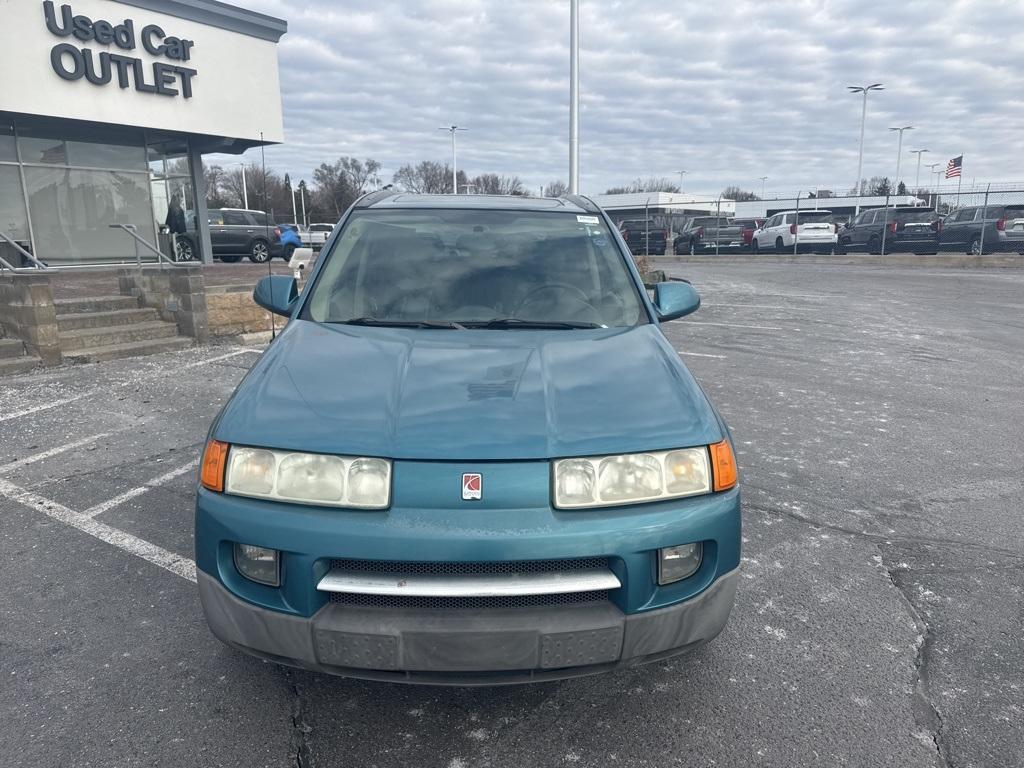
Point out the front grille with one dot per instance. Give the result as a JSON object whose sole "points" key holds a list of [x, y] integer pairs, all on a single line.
{"points": [[468, 569], [467, 603], [471, 569]]}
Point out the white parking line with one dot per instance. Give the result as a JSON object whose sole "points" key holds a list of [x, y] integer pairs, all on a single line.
{"points": [[19, 463], [46, 406], [701, 354], [156, 482], [758, 306], [130, 382], [734, 325], [176, 564]]}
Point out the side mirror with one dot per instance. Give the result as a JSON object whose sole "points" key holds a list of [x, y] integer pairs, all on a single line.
{"points": [[276, 293], [674, 300]]}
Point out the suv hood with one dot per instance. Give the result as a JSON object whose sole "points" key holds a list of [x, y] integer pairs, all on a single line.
{"points": [[473, 395]]}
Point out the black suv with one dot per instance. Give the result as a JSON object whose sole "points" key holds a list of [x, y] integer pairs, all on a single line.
{"points": [[902, 229], [644, 237], [235, 233], [980, 229]]}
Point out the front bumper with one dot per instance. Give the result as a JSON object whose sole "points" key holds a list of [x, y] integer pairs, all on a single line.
{"points": [[459, 648]]}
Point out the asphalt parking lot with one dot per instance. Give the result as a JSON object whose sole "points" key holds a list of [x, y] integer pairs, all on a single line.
{"points": [[878, 418]]}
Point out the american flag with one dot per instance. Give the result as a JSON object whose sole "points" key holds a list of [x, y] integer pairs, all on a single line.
{"points": [[953, 167]]}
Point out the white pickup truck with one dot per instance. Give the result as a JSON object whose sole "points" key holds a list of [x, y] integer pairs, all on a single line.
{"points": [[318, 234]]}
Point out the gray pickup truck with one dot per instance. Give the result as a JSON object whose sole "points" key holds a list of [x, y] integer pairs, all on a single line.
{"points": [[703, 233]]}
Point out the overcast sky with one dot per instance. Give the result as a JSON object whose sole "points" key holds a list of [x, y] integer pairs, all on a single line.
{"points": [[729, 90]]}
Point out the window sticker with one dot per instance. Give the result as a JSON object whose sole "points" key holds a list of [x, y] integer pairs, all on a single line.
{"points": [[588, 220]]}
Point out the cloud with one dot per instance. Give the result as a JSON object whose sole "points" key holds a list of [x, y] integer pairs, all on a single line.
{"points": [[729, 91]]}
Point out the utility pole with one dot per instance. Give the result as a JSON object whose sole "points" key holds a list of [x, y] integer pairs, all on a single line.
{"points": [[574, 97], [245, 189], [302, 195], [899, 152], [763, 180], [455, 175], [917, 176], [864, 89], [681, 174]]}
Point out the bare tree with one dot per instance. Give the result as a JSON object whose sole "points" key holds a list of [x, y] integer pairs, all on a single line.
{"points": [[493, 184], [340, 183], [556, 189], [739, 195], [650, 184], [427, 178]]}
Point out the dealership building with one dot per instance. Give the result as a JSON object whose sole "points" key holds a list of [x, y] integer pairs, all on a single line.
{"points": [[106, 109]]}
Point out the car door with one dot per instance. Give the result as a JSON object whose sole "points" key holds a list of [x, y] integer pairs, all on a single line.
{"points": [[219, 238], [763, 233], [956, 229], [237, 231]]}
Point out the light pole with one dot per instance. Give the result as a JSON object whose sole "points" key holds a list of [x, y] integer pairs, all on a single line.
{"points": [[763, 180], [302, 197], [574, 97], [245, 189], [917, 176], [931, 168], [455, 176], [899, 150], [864, 89], [681, 174]]}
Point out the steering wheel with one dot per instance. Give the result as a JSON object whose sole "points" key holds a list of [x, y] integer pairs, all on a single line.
{"points": [[571, 290]]}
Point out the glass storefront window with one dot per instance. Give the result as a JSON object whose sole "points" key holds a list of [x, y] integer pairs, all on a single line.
{"points": [[8, 150], [91, 155], [37, 149], [73, 210], [13, 219]]}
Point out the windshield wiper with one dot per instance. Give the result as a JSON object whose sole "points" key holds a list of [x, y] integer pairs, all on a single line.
{"points": [[517, 322], [381, 323]]}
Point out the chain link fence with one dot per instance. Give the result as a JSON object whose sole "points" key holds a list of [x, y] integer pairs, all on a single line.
{"points": [[974, 220]]}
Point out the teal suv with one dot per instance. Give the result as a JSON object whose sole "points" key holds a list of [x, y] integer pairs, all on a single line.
{"points": [[471, 456]]}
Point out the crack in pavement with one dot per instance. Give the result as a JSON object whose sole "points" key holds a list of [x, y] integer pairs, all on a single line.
{"points": [[300, 729], [926, 713]]}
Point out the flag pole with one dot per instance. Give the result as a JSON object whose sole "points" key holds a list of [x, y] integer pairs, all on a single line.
{"points": [[959, 181]]}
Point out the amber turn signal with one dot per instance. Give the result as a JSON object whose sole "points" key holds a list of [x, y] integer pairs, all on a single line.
{"points": [[215, 458], [723, 466]]}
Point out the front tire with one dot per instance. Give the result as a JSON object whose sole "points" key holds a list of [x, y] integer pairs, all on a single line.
{"points": [[259, 252]]}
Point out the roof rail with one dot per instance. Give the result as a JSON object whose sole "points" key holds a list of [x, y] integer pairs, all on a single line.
{"points": [[583, 202], [373, 197]]}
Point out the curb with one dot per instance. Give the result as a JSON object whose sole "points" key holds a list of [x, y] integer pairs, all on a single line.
{"points": [[1000, 261]]}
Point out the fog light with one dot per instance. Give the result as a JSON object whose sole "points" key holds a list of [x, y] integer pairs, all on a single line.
{"points": [[258, 564], [678, 563]]}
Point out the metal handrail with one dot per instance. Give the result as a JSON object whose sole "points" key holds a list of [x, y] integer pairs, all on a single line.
{"points": [[161, 256], [6, 265]]}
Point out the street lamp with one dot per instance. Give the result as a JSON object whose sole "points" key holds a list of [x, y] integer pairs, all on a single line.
{"points": [[899, 149], [574, 97], [863, 89], [455, 176], [681, 174], [917, 176], [245, 189], [763, 180], [932, 166]]}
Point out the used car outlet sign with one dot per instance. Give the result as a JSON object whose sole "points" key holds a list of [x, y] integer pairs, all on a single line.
{"points": [[105, 67]]}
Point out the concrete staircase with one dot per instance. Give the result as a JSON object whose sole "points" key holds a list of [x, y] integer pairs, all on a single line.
{"points": [[110, 327], [13, 358]]}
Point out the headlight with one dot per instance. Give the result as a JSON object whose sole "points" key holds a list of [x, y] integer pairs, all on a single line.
{"points": [[631, 478], [309, 478]]}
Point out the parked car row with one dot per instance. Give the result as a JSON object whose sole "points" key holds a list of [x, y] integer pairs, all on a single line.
{"points": [[902, 229]]}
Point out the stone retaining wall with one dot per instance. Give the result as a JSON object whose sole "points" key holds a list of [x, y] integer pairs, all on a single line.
{"points": [[27, 313], [230, 311]]}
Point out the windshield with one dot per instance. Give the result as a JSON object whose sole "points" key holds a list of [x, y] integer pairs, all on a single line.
{"points": [[909, 216], [475, 267], [807, 217]]}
